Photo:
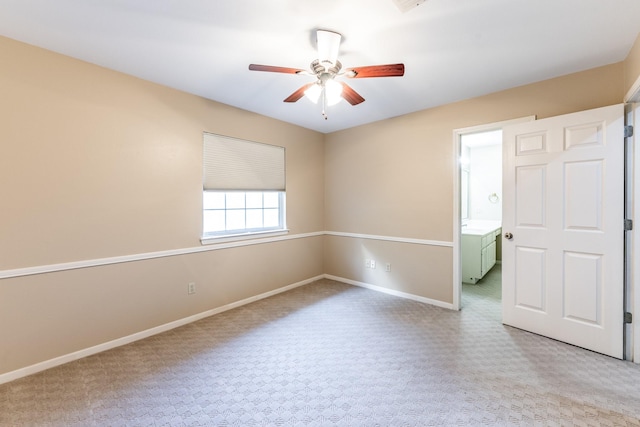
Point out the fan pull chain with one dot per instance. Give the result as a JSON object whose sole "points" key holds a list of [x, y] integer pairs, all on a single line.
{"points": [[324, 103]]}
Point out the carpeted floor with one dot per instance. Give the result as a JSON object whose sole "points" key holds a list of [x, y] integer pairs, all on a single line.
{"points": [[333, 354]]}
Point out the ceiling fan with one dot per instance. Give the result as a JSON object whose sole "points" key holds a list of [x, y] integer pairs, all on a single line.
{"points": [[326, 68]]}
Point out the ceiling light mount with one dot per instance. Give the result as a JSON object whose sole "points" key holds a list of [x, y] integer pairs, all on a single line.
{"points": [[328, 45]]}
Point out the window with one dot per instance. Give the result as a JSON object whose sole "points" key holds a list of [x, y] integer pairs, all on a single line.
{"points": [[234, 212], [243, 187]]}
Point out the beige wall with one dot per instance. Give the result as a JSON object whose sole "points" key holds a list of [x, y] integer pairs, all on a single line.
{"points": [[394, 178], [99, 164], [632, 66], [417, 270]]}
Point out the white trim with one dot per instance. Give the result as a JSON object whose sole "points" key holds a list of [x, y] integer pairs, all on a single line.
{"points": [[47, 364], [457, 135], [457, 220], [493, 126], [211, 240], [391, 239], [391, 292], [209, 246], [51, 268], [633, 95], [634, 279]]}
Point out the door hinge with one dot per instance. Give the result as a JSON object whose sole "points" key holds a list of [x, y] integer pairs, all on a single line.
{"points": [[628, 317], [628, 131], [628, 224]]}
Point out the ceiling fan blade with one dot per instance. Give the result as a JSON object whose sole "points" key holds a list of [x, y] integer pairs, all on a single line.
{"points": [[350, 95], [388, 70], [295, 96], [273, 69]]}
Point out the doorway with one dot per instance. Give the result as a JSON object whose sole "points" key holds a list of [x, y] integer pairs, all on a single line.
{"points": [[478, 206], [481, 214]]}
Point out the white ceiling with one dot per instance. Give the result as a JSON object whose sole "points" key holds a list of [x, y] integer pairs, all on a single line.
{"points": [[452, 49]]}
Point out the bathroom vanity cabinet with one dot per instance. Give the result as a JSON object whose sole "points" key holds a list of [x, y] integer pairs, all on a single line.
{"points": [[478, 246]]}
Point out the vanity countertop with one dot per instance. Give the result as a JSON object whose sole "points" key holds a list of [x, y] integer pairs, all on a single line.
{"points": [[480, 227]]}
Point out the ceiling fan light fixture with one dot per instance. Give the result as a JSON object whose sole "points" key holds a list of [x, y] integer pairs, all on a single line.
{"points": [[333, 92], [313, 93], [328, 46]]}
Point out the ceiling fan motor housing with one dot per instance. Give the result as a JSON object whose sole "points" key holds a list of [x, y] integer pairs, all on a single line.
{"points": [[318, 67]]}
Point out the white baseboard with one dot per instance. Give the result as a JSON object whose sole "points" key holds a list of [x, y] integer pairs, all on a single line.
{"points": [[47, 364], [391, 292]]}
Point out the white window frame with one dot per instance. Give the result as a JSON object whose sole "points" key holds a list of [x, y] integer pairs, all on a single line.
{"points": [[246, 233]]}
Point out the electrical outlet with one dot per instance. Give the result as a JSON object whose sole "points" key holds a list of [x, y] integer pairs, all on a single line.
{"points": [[191, 289], [373, 263], [367, 263], [387, 267]]}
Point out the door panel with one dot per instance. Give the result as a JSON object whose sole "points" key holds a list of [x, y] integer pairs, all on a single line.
{"points": [[582, 287], [583, 195], [564, 204], [530, 279], [531, 184]]}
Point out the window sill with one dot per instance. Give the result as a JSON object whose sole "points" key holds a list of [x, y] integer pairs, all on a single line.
{"points": [[212, 240]]}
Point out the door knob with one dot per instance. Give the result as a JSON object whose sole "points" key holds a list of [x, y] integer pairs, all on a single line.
{"points": [[508, 236]]}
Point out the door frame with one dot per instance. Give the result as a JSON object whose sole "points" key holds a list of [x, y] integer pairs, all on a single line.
{"points": [[632, 291], [632, 209], [457, 218], [631, 338]]}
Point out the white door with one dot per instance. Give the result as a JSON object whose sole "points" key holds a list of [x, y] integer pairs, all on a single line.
{"points": [[563, 203]]}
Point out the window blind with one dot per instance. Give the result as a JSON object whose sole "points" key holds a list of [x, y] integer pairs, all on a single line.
{"points": [[236, 164]]}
